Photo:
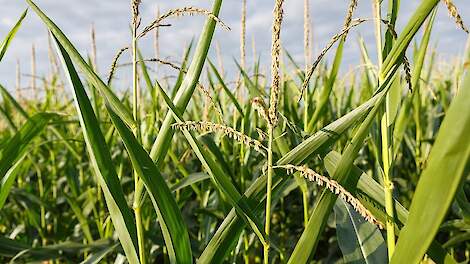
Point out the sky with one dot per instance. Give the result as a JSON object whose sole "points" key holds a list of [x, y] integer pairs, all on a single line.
{"points": [[111, 19]]}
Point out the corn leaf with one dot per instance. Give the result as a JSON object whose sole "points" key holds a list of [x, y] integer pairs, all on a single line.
{"points": [[171, 222], [447, 164], [102, 164], [6, 42]]}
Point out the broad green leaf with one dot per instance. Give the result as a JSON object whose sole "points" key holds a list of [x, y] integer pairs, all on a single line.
{"points": [[446, 166], [145, 73], [21, 252], [8, 97], [329, 133], [102, 164], [372, 196], [407, 34], [309, 239], [6, 116], [324, 204], [189, 180], [226, 235], [170, 219], [404, 116], [359, 240], [8, 179], [96, 257], [80, 217]]}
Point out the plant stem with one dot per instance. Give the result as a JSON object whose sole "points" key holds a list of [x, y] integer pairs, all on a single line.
{"points": [[388, 185], [305, 95], [386, 145], [140, 234], [135, 88], [268, 192], [135, 113], [305, 204]]}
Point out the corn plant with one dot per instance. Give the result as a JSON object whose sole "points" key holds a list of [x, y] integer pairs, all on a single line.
{"points": [[298, 164]]}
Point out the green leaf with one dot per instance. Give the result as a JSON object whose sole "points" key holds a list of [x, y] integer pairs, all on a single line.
{"points": [[189, 180], [228, 232], [8, 179], [407, 34], [185, 92], [371, 194], [171, 221], [447, 164], [95, 258], [102, 164], [328, 88], [19, 251], [14, 152], [6, 42], [80, 217], [224, 86], [329, 133], [312, 232], [8, 97], [218, 175], [253, 89], [359, 240], [404, 116]]}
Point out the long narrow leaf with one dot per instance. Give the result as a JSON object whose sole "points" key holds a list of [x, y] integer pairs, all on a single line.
{"points": [[102, 164], [173, 227], [6, 42], [447, 164]]}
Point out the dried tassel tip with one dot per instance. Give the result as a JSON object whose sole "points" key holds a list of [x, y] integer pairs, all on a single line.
{"points": [[348, 19], [453, 12], [135, 4]]}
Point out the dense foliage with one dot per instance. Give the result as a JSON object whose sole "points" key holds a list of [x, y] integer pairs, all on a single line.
{"points": [[288, 165]]}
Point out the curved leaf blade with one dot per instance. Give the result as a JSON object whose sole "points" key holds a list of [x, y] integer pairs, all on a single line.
{"points": [[6, 42], [185, 92], [102, 164], [448, 163], [171, 221]]}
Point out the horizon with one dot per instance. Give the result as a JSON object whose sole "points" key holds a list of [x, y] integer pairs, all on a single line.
{"points": [[111, 21]]}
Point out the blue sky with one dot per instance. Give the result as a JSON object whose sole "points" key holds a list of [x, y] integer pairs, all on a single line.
{"points": [[111, 19]]}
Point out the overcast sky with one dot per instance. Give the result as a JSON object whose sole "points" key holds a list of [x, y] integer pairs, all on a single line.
{"points": [[111, 19]]}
